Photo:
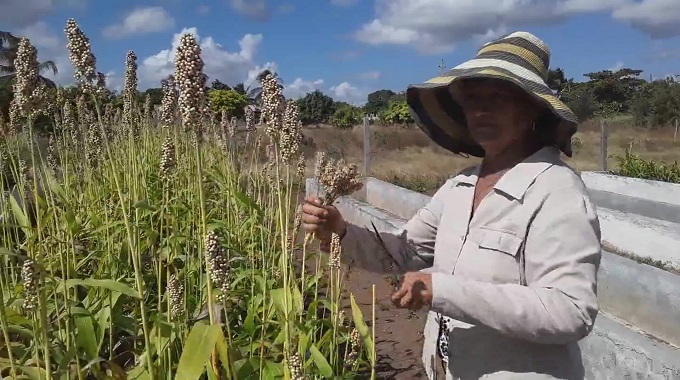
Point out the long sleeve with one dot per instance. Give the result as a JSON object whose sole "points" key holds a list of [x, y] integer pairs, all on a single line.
{"points": [[397, 250], [562, 257]]}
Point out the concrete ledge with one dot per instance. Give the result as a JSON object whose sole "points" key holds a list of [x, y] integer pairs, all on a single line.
{"points": [[642, 295], [616, 351], [400, 201], [641, 236], [655, 191], [651, 199]]}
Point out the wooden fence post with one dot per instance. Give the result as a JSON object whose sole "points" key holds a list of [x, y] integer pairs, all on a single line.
{"points": [[604, 136], [367, 147]]}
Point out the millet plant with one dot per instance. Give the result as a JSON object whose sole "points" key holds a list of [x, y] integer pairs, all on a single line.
{"points": [[161, 245]]}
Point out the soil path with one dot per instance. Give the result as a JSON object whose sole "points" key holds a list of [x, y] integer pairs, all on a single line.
{"points": [[399, 333]]}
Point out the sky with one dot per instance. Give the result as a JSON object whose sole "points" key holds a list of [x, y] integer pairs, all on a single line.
{"points": [[347, 48]]}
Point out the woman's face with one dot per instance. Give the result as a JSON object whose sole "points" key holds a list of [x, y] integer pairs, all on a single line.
{"points": [[499, 115]]}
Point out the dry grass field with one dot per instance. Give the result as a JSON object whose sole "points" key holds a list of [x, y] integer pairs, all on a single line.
{"points": [[407, 157]]}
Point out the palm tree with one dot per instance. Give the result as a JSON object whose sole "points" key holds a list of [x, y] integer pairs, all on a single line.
{"points": [[256, 93], [9, 44]]}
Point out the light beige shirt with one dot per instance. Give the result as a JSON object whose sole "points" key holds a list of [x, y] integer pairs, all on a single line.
{"points": [[538, 216]]}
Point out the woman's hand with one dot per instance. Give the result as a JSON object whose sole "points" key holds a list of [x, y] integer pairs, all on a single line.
{"points": [[415, 291], [322, 220]]}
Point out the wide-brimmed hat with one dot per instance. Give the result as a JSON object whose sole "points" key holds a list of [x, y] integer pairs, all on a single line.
{"points": [[520, 58]]}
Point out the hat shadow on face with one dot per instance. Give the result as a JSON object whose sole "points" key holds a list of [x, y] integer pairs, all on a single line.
{"points": [[545, 122]]}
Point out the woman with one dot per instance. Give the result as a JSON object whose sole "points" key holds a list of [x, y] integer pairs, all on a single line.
{"points": [[506, 253]]}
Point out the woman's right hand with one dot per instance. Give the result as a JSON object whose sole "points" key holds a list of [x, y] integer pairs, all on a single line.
{"points": [[322, 220]]}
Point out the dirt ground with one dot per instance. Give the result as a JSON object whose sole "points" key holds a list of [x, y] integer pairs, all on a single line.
{"points": [[399, 333]]}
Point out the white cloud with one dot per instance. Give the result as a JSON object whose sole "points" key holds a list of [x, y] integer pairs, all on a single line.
{"points": [[434, 26], [659, 18], [40, 35], [371, 75], [618, 66], [141, 21], [228, 67], [20, 13], [256, 9], [299, 87], [348, 93], [203, 9]]}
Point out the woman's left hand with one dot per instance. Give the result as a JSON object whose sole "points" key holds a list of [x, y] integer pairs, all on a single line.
{"points": [[415, 291]]}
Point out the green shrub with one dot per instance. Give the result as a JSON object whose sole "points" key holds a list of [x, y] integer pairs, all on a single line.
{"points": [[632, 165]]}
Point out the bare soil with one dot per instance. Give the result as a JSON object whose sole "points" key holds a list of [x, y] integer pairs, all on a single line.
{"points": [[399, 333]]}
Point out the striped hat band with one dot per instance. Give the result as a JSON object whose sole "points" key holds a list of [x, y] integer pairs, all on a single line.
{"points": [[520, 58]]}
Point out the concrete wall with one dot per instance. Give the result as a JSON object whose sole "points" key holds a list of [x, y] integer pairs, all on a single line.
{"points": [[629, 292], [638, 216]]}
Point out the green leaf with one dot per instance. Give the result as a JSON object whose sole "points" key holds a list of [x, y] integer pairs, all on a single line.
{"points": [[361, 326], [321, 361], [197, 350], [112, 285], [54, 185], [272, 371], [85, 337], [144, 204], [19, 213]]}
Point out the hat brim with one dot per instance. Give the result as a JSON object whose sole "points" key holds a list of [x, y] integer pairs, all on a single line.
{"points": [[435, 111]]}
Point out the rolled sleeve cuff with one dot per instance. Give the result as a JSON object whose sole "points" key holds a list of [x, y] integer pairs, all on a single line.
{"points": [[445, 290]]}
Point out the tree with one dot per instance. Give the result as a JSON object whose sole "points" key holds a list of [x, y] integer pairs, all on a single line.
{"points": [[346, 116], [9, 45], [378, 101], [217, 85], [315, 107], [227, 100], [557, 80], [240, 88], [613, 90], [397, 112]]}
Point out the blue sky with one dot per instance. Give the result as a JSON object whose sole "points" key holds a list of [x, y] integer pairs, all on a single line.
{"points": [[348, 48]]}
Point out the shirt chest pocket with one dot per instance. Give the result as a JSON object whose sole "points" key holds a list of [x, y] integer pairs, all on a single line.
{"points": [[492, 255]]}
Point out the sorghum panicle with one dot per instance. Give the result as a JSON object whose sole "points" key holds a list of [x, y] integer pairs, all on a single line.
{"points": [[295, 367], [148, 107], [169, 102], [31, 280], [290, 134], [80, 53], [334, 261], [337, 178], [175, 290], [272, 103], [52, 153], [190, 81], [26, 78], [355, 339], [167, 158], [218, 264], [250, 119], [301, 166], [233, 126], [130, 93]]}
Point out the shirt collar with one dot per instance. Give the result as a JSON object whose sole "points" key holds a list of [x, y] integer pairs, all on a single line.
{"points": [[516, 181]]}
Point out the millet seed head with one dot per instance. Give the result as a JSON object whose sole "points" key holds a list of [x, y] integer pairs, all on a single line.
{"points": [[175, 290], [167, 158], [26, 78], [80, 53], [190, 82]]}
